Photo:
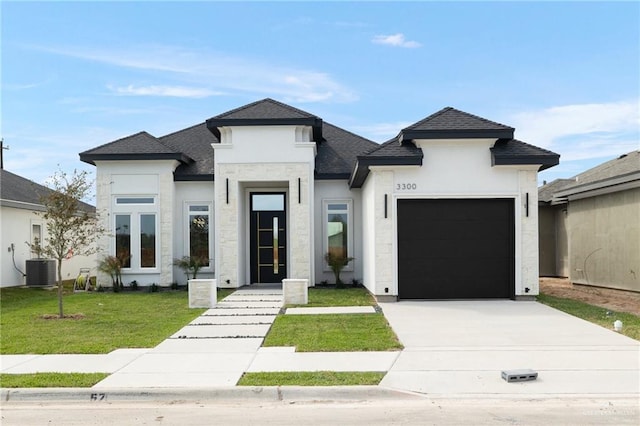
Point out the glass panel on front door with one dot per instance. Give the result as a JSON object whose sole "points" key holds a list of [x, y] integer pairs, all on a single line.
{"points": [[268, 238]]}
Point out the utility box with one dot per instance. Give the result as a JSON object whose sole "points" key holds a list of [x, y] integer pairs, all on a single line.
{"points": [[41, 272], [519, 375]]}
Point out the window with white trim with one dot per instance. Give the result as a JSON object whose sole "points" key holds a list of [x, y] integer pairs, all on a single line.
{"points": [[198, 232], [135, 225], [338, 229]]}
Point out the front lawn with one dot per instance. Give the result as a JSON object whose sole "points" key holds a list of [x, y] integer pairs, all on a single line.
{"points": [[333, 333], [320, 297], [104, 321], [595, 314]]}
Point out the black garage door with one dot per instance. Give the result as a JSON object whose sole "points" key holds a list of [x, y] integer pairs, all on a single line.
{"points": [[455, 249]]}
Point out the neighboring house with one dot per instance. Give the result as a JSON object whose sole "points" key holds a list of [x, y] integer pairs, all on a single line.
{"points": [[444, 210], [590, 225], [20, 210]]}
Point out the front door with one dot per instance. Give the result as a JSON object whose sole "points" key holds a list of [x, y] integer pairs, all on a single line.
{"points": [[268, 237]]}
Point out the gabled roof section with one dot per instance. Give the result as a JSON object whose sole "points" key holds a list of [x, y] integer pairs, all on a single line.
{"points": [[195, 142], [19, 192], [338, 152], [266, 112], [450, 123], [506, 152], [390, 153], [140, 146]]}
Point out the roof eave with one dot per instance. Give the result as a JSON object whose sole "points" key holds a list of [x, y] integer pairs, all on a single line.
{"points": [[544, 161], [204, 177], [92, 158], [361, 169], [214, 124], [410, 134]]}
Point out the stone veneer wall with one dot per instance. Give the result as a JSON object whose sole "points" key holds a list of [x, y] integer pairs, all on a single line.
{"points": [[528, 237], [385, 257], [165, 194], [231, 251]]}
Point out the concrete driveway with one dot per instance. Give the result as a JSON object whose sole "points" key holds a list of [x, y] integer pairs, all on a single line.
{"points": [[461, 347]]}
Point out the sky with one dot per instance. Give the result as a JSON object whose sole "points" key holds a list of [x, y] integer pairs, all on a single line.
{"points": [[75, 75]]}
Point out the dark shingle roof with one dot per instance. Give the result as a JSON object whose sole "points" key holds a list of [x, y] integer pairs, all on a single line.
{"points": [[195, 142], [452, 123], [14, 188], [266, 112], [141, 145], [513, 151], [337, 153], [390, 153], [264, 109]]}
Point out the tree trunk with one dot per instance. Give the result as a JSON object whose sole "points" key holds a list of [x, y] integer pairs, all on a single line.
{"points": [[61, 312]]}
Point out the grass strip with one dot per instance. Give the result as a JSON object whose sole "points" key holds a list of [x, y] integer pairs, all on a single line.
{"points": [[100, 322], [51, 380], [322, 297], [312, 378], [595, 314], [333, 333]]}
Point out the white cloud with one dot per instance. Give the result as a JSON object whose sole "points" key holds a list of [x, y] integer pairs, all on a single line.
{"points": [[217, 72], [582, 131], [396, 40], [169, 91]]}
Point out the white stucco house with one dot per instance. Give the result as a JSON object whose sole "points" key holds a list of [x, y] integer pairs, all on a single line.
{"points": [[445, 210], [21, 222]]}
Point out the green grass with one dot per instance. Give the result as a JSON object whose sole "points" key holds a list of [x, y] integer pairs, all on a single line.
{"points": [[595, 314], [51, 380], [315, 378], [333, 333], [109, 320], [338, 297]]}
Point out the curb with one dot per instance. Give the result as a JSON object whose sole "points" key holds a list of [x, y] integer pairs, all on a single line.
{"points": [[255, 393]]}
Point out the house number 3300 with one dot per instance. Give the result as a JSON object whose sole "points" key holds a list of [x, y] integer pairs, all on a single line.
{"points": [[405, 186]]}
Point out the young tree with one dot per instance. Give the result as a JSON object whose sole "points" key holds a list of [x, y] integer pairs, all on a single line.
{"points": [[71, 226]]}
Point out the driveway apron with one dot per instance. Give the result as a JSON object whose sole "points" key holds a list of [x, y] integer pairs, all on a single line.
{"points": [[461, 347]]}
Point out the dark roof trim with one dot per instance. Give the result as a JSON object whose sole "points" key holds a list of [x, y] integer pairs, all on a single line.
{"points": [[332, 176], [316, 123], [545, 161], [407, 134], [193, 178], [363, 163], [92, 158]]}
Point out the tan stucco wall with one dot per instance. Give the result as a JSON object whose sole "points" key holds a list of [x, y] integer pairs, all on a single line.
{"points": [[604, 240], [547, 241]]}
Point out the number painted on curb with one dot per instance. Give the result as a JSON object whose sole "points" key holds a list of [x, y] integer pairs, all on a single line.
{"points": [[407, 186], [98, 397]]}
